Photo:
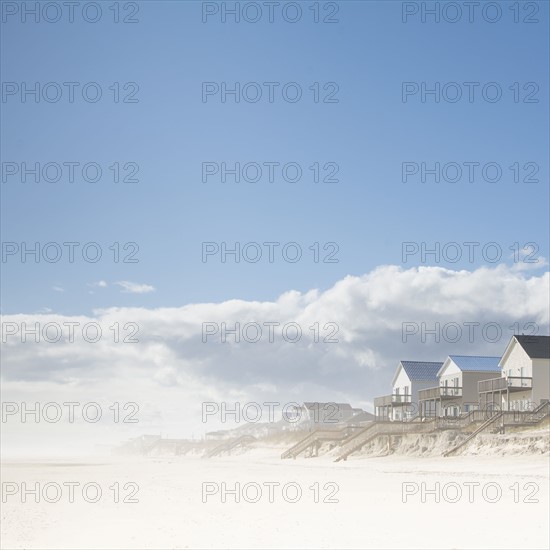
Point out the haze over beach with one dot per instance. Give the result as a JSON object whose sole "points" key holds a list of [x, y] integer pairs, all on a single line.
{"points": [[177, 365], [274, 275]]}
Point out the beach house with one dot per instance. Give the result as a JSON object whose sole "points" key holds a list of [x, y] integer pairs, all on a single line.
{"points": [[409, 379], [318, 415], [457, 388], [524, 376]]}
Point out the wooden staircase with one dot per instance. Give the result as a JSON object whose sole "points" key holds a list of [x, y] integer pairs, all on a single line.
{"points": [[488, 424], [313, 440], [490, 421], [228, 446], [542, 411], [507, 418], [358, 440]]}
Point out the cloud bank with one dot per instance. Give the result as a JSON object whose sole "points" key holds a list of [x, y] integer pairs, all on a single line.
{"points": [[351, 341]]}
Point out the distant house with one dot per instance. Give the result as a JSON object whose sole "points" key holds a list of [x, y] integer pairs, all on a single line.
{"points": [[410, 378], [319, 415], [457, 388], [360, 417], [524, 380]]}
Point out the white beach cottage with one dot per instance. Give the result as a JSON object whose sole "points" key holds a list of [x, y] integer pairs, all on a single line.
{"points": [[409, 379], [457, 390], [524, 381]]}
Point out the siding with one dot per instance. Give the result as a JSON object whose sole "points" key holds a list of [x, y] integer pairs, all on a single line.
{"points": [[541, 379]]}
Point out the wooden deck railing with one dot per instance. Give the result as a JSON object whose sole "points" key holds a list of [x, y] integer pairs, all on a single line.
{"points": [[439, 392], [503, 383], [393, 399]]}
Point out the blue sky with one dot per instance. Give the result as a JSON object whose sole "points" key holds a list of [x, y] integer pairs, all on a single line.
{"points": [[170, 132]]}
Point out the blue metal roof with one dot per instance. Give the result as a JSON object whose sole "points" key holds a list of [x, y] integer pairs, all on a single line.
{"points": [[476, 363], [421, 370]]}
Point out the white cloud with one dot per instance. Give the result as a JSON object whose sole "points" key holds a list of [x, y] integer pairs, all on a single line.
{"points": [[58, 289], [135, 288], [173, 370], [98, 284], [530, 264]]}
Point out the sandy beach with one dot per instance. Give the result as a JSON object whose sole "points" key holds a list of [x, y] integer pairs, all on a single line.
{"points": [[361, 503]]}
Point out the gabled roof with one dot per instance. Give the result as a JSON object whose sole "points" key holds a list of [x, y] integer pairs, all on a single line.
{"points": [[419, 370], [476, 363], [329, 413], [536, 347], [363, 416]]}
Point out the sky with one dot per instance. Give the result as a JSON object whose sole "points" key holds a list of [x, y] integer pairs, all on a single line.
{"points": [[370, 134]]}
